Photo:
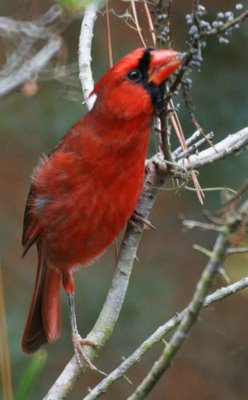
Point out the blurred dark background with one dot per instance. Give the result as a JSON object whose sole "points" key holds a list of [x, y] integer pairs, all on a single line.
{"points": [[213, 363]]}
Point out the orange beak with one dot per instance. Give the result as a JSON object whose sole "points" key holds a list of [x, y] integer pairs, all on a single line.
{"points": [[162, 64]]}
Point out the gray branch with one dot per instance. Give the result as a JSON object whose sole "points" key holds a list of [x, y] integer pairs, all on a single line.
{"points": [[231, 144], [9, 26], [31, 67], [84, 50]]}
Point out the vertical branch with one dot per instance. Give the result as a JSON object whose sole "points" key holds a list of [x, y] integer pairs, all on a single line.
{"points": [[109, 34], [136, 20], [150, 23], [169, 35], [85, 45]]}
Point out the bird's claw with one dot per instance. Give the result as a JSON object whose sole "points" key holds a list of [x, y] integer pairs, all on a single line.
{"points": [[81, 357]]}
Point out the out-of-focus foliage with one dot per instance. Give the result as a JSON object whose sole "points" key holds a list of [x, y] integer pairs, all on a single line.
{"points": [[30, 375], [75, 5], [213, 363]]}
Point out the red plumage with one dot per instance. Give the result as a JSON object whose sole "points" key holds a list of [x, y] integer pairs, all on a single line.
{"points": [[83, 194]]}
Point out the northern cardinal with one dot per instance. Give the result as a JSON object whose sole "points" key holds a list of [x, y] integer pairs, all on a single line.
{"points": [[84, 192]]}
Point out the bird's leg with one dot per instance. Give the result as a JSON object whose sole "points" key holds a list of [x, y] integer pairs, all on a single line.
{"points": [[77, 341]]}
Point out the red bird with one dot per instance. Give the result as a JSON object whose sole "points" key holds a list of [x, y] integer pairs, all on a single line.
{"points": [[84, 192]]}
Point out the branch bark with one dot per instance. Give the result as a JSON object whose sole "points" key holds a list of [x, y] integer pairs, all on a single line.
{"points": [[85, 45], [232, 144]]}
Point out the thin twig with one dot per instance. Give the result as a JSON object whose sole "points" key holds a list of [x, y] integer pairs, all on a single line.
{"points": [[190, 224], [237, 250], [188, 141], [169, 35], [211, 189], [110, 53], [150, 23], [180, 135], [230, 145], [226, 26], [136, 20], [17, 58], [231, 202], [194, 147]]}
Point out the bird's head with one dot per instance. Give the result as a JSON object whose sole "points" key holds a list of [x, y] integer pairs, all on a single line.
{"points": [[132, 87]]}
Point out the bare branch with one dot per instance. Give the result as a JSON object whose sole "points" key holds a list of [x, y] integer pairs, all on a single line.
{"points": [[188, 142], [85, 45], [31, 67], [194, 147], [16, 58], [31, 29], [231, 144], [190, 224], [136, 20], [237, 250], [51, 15], [225, 27]]}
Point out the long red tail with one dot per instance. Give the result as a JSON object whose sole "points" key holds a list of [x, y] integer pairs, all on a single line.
{"points": [[43, 323]]}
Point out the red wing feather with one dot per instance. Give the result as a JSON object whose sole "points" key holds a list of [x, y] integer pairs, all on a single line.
{"points": [[43, 323], [31, 231]]}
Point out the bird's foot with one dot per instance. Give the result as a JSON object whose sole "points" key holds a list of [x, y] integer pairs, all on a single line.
{"points": [[81, 357]]}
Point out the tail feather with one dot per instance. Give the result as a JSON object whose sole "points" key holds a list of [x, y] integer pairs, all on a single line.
{"points": [[43, 323]]}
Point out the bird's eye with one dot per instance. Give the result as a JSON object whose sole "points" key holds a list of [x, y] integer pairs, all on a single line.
{"points": [[134, 75]]}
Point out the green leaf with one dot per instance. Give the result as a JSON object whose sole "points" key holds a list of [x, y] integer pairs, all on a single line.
{"points": [[75, 5], [30, 375]]}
